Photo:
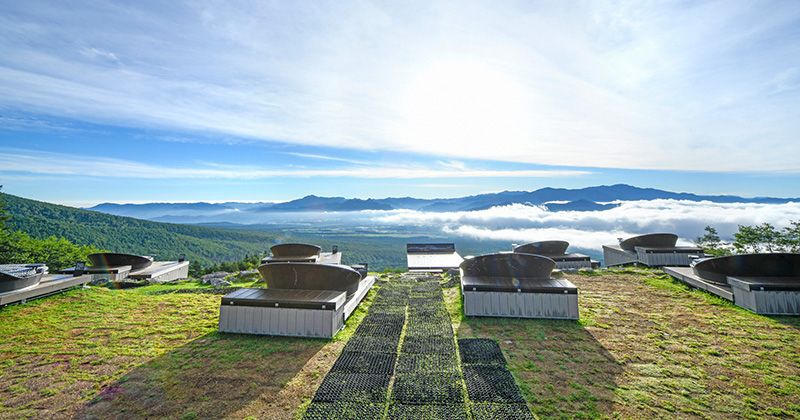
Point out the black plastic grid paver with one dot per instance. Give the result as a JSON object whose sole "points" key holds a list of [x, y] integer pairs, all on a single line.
{"points": [[379, 330], [417, 344], [426, 329], [426, 363], [373, 344], [480, 351], [388, 309], [343, 410], [488, 383], [426, 287], [363, 387], [384, 318], [430, 388], [427, 412], [365, 362], [493, 411], [417, 303]]}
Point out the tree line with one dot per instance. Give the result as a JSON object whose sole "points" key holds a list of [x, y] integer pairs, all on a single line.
{"points": [[752, 239]]}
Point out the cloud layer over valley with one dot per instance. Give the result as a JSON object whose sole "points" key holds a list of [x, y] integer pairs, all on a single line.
{"points": [[589, 230]]}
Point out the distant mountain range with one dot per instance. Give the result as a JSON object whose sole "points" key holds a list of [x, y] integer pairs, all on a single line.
{"points": [[554, 199]]}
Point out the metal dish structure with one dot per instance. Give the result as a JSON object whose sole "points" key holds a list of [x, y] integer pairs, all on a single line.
{"points": [[650, 240], [526, 267], [546, 248], [295, 250], [113, 259], [718, 269], [20, 276], [310, 276]]}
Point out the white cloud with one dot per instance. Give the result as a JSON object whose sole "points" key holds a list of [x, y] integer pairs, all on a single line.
{"points": [[35, 162], [592, 84], [524, 223]]}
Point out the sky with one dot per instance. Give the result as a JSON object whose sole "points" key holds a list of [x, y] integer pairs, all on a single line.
{"points": [[270, 101]]}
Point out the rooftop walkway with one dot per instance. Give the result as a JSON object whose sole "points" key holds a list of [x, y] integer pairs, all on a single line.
{"points": [[403, 362]]}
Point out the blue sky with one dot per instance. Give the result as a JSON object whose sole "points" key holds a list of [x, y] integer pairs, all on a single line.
{"points": [[220, 101]]}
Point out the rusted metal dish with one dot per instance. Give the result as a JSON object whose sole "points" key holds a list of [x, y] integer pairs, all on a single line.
{"points": [[519, 265], [295, 251], [546, 248], [310, 276], [748, 265], [650, 240], [111, 259], [19, 276]]}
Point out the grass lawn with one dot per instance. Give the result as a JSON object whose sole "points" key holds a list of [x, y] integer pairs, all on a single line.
{"points": [[100, 353], [645, 347]]}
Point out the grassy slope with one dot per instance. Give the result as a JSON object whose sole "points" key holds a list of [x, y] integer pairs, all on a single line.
{"points": [[125, 234], [645, 347]]}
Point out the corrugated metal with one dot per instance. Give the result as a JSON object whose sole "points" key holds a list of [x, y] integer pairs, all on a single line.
{"points": [[267, 320], [768, 302], [573, 265], [280, 321], [521, 305], [660, 259]]}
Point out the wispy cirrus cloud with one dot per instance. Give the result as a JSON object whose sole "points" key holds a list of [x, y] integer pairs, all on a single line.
{"points": [[594, 84], [45, 163]]}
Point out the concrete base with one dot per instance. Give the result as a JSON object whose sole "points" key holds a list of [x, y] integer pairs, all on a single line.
{"points": [[686, 275], [163, 272], [158, 272], [762, 295], [50, 284]]}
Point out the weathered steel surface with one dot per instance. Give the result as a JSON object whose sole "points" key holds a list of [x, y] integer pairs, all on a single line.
{"points": [[748, 265], [526, 266], [295, 250], [112, 259], [546, 248], [310, 276], [650, 240]]}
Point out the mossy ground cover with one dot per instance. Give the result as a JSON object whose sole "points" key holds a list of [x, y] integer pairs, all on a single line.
{"points": [[647, 346], [151, 352]]}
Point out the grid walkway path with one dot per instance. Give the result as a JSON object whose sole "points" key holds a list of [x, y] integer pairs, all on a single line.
{"points": [[403, 362]]}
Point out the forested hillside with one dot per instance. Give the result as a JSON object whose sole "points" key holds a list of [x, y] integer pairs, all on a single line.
{"points": [[124, 234]]}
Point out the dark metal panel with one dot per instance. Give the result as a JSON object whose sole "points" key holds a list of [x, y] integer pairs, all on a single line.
{"points": [[546, 248], [310, 276], [650, 240], [748, 265], [112, 259]]}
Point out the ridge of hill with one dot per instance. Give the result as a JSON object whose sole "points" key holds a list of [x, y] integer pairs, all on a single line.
{"points": [[203, 244]]}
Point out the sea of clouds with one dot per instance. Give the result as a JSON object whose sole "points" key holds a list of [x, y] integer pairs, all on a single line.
{"points": [[591, 229]]}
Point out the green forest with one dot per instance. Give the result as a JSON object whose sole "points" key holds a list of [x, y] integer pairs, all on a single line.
{"points": [[97, 231], [36, 231]]}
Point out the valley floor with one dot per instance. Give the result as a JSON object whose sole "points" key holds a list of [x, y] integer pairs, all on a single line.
{"points": [[645, 347]]}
